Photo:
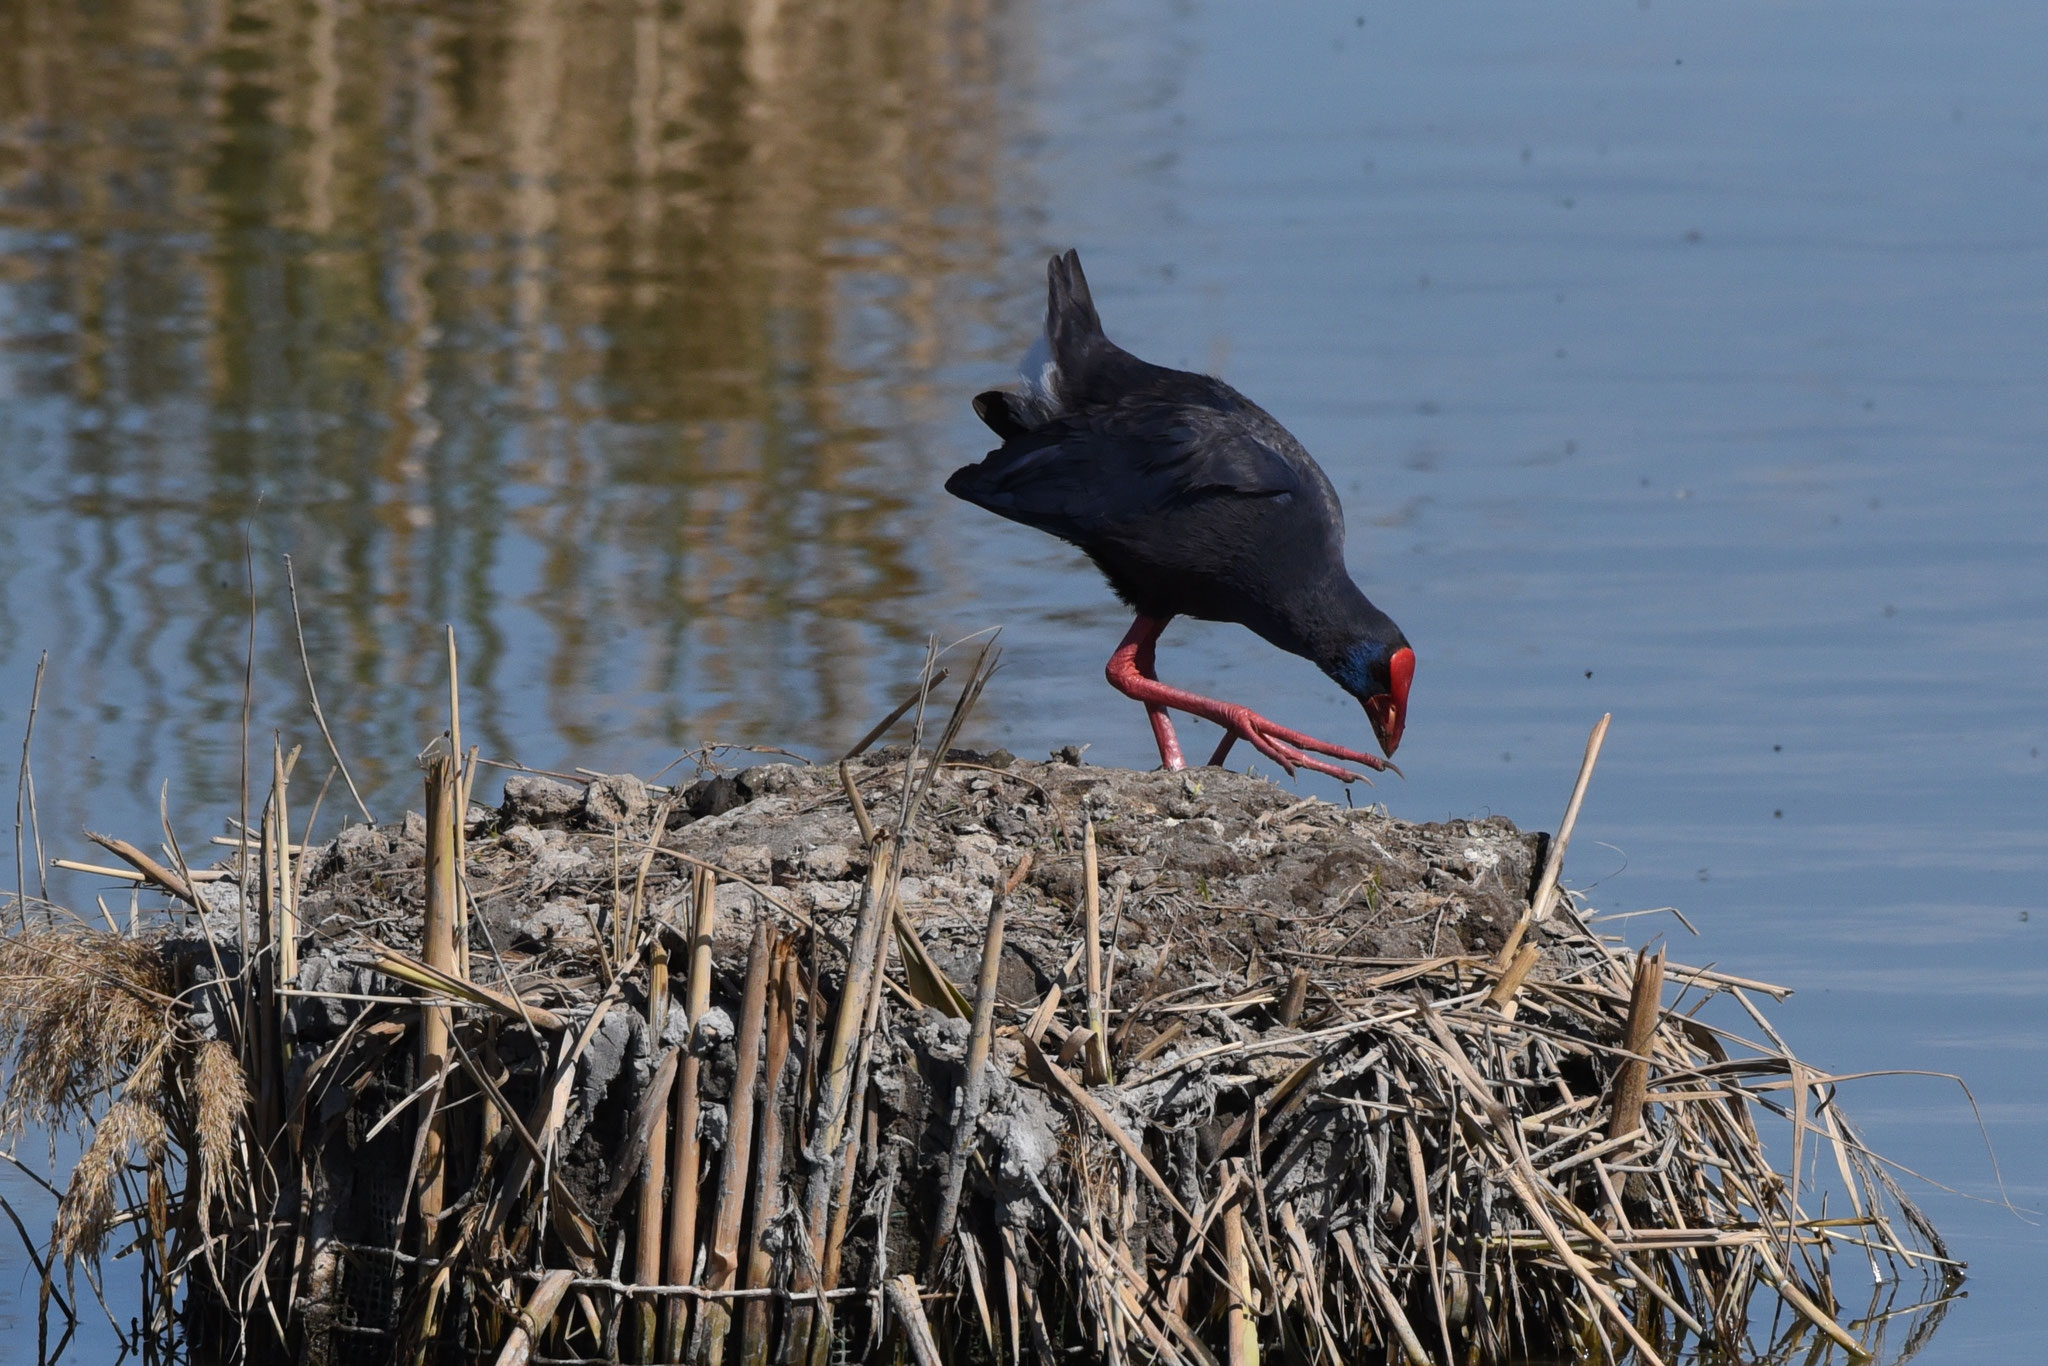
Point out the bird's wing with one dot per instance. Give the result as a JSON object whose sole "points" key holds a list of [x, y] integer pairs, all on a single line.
{"points": [[1086, 473]]}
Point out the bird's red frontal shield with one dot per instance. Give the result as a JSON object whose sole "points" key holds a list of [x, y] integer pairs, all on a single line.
{"points": [[1389, 711]]}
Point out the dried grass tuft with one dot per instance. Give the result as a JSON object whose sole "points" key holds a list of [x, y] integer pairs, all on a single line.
{"points": [[80, 1012], [88, 1211], [220, 1099]]}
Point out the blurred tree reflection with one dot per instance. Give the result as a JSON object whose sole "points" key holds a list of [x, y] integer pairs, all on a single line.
{"points": [[609, 332]]}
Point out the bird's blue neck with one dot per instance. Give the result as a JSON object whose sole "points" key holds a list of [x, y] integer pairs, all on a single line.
{"points": [[1353, 669], [1337, 627]]}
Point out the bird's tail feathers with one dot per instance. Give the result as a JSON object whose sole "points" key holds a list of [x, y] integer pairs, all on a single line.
{"points": [[1012, 415], [1056, 369], [1072, 326]]}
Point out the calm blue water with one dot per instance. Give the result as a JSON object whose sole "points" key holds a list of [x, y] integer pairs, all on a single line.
{"points": [[1681, 362]]}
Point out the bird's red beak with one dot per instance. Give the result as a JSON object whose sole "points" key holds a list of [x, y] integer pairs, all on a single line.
{"points": [[1389, 711]]}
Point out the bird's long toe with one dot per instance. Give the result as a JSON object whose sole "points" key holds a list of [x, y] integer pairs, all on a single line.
{"points": [[1342, 774], [1335, 751], [1290, 748], [1266, 738], [1254, 730]]}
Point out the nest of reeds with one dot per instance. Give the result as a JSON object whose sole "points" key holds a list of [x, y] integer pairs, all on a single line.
{"points": [[989, 1059]]}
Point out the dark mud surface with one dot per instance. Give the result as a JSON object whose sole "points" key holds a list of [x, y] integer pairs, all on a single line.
{"points": [[1210, 879]]}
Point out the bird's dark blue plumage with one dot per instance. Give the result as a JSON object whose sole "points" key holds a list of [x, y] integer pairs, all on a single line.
{"points": [[1191, 498]]}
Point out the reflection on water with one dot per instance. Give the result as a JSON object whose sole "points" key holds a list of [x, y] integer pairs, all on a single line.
{"points": [[607, 332]]}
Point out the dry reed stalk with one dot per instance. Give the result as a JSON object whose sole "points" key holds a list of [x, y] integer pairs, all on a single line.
{"points": [[859, 806], [454, 697], [767, 1184], [313, 693], [298, 850], [653, 1171], [544, 1122], [765, 894], [24, 802], [1796, 1296], [1013, 1294], [842, 1205], [1536, 1195], [281, 851], [266, 1049], [650, 1115], [281, 938], [1633, 1080], [985, 664], [929, 985], [630, 931], [535, 1318], [830, 1187], [1426, 1230], [721, 1272], [1292, 1003], [430, 979], [465, 771], [155, 872], [438, 948], [287, 881], [1091, 942], [977, 1281], [849, 1014], [1160, 1042], [1545, 894], [1103, 1274], [241, 825], [437, 941], [129, 875], [1057, 1079], [974, 1085], [1241, 1330], [1365, 1264], [1041, 1017], [908, 1307], [679, 1267], [1502, 996], [917, 697], [494, 1115]]}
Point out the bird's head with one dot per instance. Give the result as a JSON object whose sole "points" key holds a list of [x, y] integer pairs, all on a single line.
{"points": [[1378, 673]]}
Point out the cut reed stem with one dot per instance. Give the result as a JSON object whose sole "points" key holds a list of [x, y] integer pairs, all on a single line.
{"points": [[652, 1212], [767, 1193], [974, 1082], [721, 1273], [1632, 1082], [1545, 894], [1091, 943], [684, 1158]]}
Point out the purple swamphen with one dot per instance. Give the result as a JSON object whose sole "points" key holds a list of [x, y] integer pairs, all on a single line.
{"points": [[1193, 502]]}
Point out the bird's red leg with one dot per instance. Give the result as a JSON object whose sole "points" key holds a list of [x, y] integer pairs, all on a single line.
{"points": [[1170, 757], [1131, 673], [1133, 660]]}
